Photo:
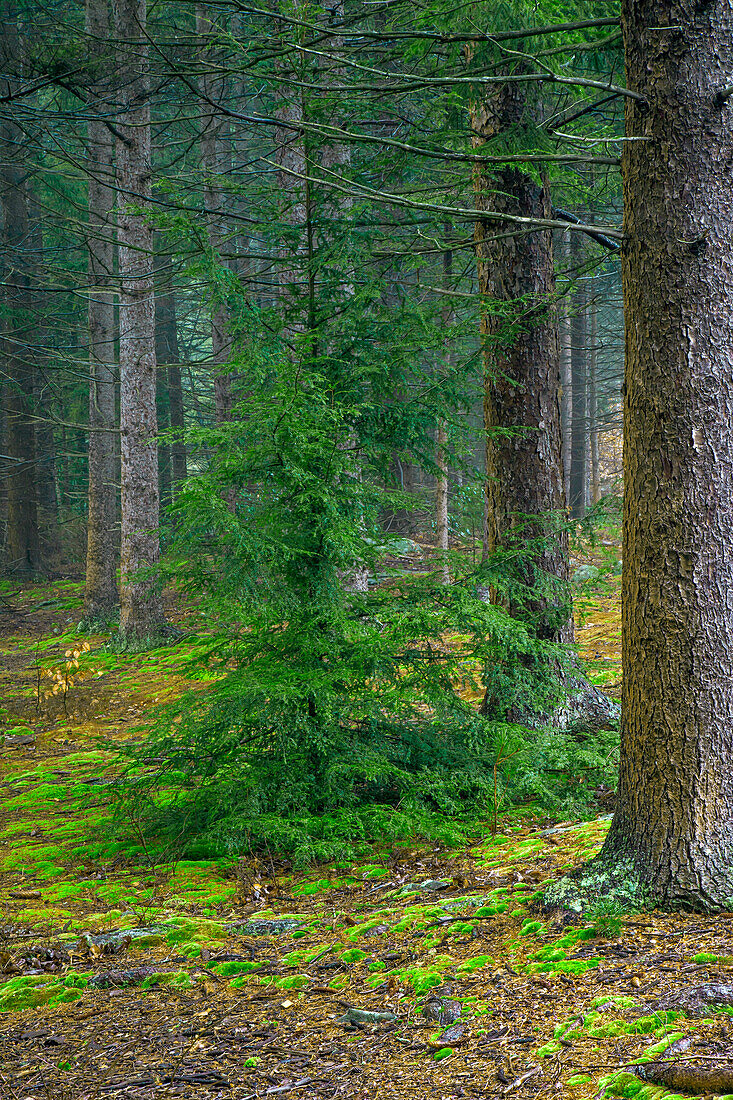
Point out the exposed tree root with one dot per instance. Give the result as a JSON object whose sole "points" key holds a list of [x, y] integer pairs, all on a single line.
{"points": [[697, 1080]]}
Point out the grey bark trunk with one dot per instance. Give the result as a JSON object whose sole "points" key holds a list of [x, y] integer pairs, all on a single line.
{"points": [[165, 349], [216, 164], [292, 171], [522, 380], [141, 603], [101, 595], [566, 378], [47, 495], [441, 450], [579, 456], [337, 214], [673, 826], [22, 545], [595, 471]]}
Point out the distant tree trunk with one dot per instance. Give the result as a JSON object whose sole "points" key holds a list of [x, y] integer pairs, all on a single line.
{"points": [[337, 210], [101, 596], [566, 379], [595, 483], [178, 447], [4, 472], [48, 501], [216, 163], [22, 545], [45, 468], [522, 374], [672, 832], [441, 449], [579, 457], [169, 389], [165, 341], [294, 273], [141, 604]]}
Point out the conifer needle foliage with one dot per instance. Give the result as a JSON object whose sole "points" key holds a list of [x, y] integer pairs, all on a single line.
{"points": [[336, 716]]}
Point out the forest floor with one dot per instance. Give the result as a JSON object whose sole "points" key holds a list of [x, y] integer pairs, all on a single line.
{"points": [[123, 976]]}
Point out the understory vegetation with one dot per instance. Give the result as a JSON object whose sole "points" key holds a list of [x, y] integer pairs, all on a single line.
{"points": [[334, 717]]}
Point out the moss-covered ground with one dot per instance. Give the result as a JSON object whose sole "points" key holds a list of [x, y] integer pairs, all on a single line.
{"points": [[122, 973]]}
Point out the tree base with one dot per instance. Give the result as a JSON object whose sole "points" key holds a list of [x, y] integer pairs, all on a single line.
{"points": [[586, 705], [618, 881], [161, 634], [617, 884], [100, 619]]}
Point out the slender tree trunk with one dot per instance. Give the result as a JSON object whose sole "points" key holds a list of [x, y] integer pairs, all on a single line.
{"points": [[216, 165], [566, 378], [101, 596], [45, 468], [165, 347], [337, 208], [672, 832], [141, 604], [177, 417], [579, 456], [595, 483], [441, 450], [47, 495], [293, 273], [522, 379], [22, 545]]}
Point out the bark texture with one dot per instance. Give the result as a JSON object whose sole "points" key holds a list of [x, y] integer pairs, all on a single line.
{"points": [[522, 367], [673, 826], [579, 414], [295, 266], [216, 164], [566, 379], [442, 516], [170, 386], [101, 595], [22, 544], [594, 453], [141, 605]]}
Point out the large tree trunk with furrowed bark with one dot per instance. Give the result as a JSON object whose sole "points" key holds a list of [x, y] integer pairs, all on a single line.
{"points": [[673, 826], [22, 543], [524, 486], [216, 163], [579, 414], [101, 596], [141, 606]]}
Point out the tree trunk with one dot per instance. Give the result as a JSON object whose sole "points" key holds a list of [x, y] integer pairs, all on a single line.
{"points": [[673, 826], [47, 495], [293, 275], [524, 489], [566, 378], [45, 467], [336, 274], [216, 165], [176, 411], [101, 596], [595, 475], [441, 449], [170, 385], [579, 348], [166, 348], [141, 604], [22, 545]]}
